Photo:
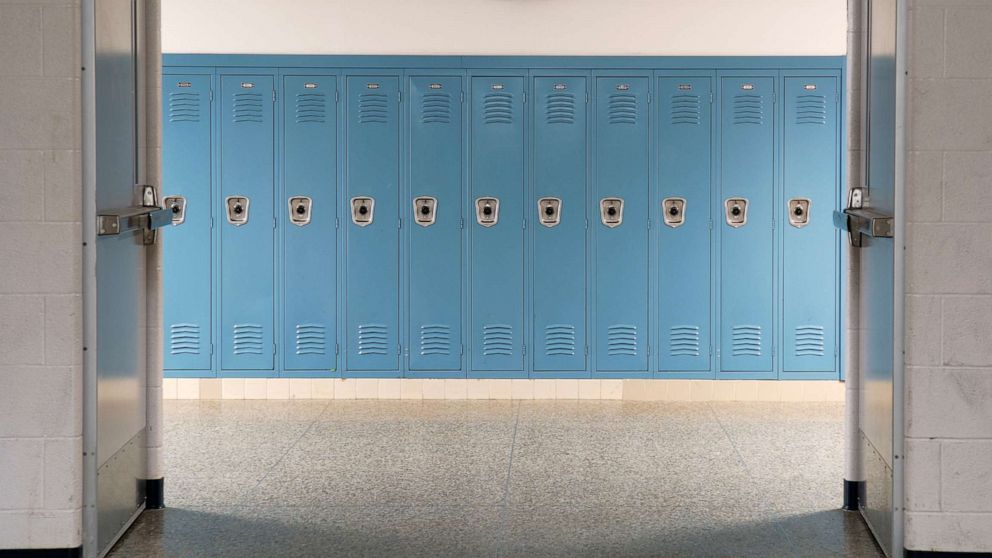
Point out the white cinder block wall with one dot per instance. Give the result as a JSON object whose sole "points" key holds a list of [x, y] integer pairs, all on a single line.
{"points": [[949, 277], [40, 277]]}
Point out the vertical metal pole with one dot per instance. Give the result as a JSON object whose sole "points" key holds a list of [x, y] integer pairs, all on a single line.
{"points": [[899, 289], [88, 150]]}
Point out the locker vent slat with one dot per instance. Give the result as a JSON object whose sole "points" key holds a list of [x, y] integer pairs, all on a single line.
{"points": [[683, 340], [184, 339], [749, 109], [373, 339], [809, 340], [811, 109], [435, 108], [497, 340], [373, 108], [497, 108], [621, 340], [247, 339], [184, 106], [746, 340], [560, 108], [310, 108], [247, 107], [435, 339], [622, 108], [685, 109], [559, 340], [311, 339]]}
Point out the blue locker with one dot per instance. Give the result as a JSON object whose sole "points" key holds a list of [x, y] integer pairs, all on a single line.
{"points": [[747, 144], [809, 260], [186, 130], [246, 221], [309, 208], [622, 199], [496, 227], [559, 230], [435, 215], [372, 238], [684, 180]]}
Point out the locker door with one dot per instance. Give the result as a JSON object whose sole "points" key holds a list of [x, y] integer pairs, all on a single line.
{"points": [[372, 159], [187, 261], [684, 179], [747, 146], [622, 163], [559, 217], [435, 217], [810, 182], [309, 209], [497, 251], [246, 221]]}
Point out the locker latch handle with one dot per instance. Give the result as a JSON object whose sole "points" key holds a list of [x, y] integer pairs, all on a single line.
{"points": [[300, 210], [237, 210], [362, 210], [736, 211], [611, 211], [673, 211], [549, 211], [799, 209], [424, 210], [487, 211]]}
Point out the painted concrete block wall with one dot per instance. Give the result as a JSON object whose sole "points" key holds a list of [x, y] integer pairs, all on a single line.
{"points": [[525, 27], [949, 277], [40, 277]]}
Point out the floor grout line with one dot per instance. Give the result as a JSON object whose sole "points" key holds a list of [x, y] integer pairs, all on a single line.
{"points": [[504, 504]]}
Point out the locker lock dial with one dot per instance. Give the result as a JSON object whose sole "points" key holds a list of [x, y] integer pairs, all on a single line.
{"points": [[299, 210], [611, 211], [736, 212], [237, 210], [549, 211], [177, 205], [362, 209], [487, 211], [424, 210], [799, 212], [673, 210]]}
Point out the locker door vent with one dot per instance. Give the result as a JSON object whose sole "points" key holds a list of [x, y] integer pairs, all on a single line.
{"points": [[683, 340], [247, 339], [311, 339], [809, 340], [623, 108], [746, 340], [184, 106], [749, 109], [685, 109], [497, 339], [310, 108], [811, 109], [373, 339], [373, 108], [559, 339], [560, 108], [497, 108], [435, 108], [621, 340], [247, 107], [184, 339], [435, 339]]}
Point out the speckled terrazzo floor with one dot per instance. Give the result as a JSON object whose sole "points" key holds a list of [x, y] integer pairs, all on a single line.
{"points": [[500, 478]]}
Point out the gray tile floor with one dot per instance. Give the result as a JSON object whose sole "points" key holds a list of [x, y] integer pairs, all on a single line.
{"points": [[500, 478]]}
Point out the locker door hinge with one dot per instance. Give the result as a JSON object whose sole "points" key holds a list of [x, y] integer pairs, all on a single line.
{"points": [[461, 223], [524, 223], [587, 223], [587, 350], [524, 348], [399, 96], [649, 224], [273, 95], [337, 96], [462, 96], [711, 97], [461, 350], [337, 349], [211, 348], [399, 348], [525, 97], [399, 223], [275, 223], [211, 222], [711, 224], [649, 349], [337, 222], [211, 95], [711, 350], [275, 349], [649, 97]]}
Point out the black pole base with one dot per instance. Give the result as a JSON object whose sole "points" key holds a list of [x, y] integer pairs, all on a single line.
{"points": [[154, 494], [853, 494]]}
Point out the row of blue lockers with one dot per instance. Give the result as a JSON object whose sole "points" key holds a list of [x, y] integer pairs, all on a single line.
{"points": [[452, 222]]}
